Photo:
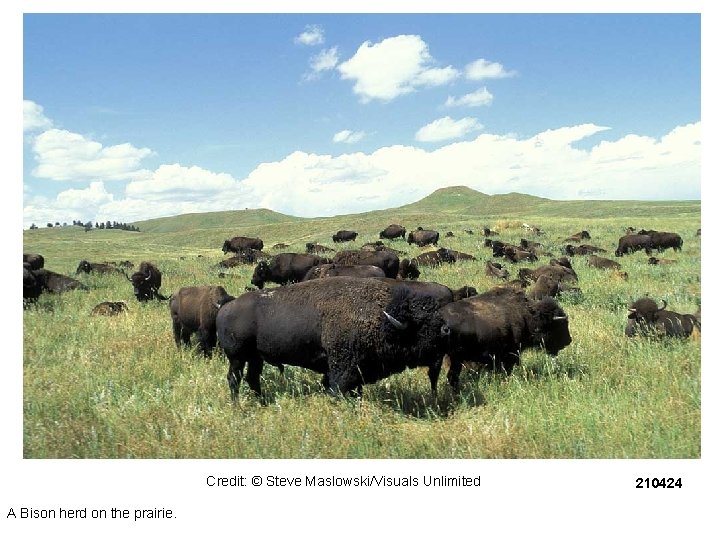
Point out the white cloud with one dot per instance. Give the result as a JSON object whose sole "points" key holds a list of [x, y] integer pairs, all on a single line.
{"points": [[62, 155], [79, 199], [348, 137], [325, 60], [34, 118], [482, 69], [474, 99], [175, 182], [396, 66], [446, 128], [313, 35]]}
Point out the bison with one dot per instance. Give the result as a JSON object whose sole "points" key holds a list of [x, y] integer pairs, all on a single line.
{"points": [[238, 242], [35, 282], [353, 331], [146, 282], [493, 327], [284, 268], [582, 249], [496, 270], [548, 285], [314, 248], [661, 241], [344, 236], [331, 270], [393, 231], [489, 232], [422, 237], [408, 269], [602, 263], [435, 258], [646, 318], [656, 261], [35, 260], [630, 243], [578, 237], [109, 309], [100, 268], [514, 254], [193, 310], [387, 260]]}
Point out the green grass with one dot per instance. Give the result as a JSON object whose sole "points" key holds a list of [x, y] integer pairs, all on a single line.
{"points": [[118, 387]]}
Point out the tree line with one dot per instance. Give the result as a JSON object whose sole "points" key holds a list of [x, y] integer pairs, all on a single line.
{"points": [[89, 225]]}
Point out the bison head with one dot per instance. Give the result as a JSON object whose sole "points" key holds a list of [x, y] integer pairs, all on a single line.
{"points": [[84, 266], [260, 275], [408, 269], [551, 329], [642, 315], [226, 246]]}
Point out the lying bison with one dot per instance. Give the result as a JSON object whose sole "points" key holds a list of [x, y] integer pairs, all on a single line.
{"points": [[353, 331], [387, 260], [661, 262], [146, 282], [496, 270], [193, 311], [109, 309], [582, 249], [239, 242], [493, 327], [99, 268], [344, 236], [578, 237], [408, 269], [284, 268], [422, 237], [602, 263], [393, 231], [35, 282], [35, 260], [315, 248], [646, 318], [322, 271]]}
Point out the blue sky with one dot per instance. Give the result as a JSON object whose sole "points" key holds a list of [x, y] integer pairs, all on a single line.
{"points": [[134, 116]]}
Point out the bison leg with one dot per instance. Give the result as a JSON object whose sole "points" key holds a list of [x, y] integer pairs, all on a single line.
{"points": [[234, 376], [177, 327], [255, 366], [206, 341], [434, 374], [453, 375]]}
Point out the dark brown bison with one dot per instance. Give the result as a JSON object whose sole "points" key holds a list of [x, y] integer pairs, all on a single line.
{"points": [[496, 270], [602, 263], [344, 236], [435, 258], [100, 268], [322, 271], [578, 237], [408, 269], [460, 256], [146, 282], [560, 269], [422, 237], [646, 318], [630, 243], [547, 285], [284, 268], [662, 262], [489, 232], [35, 282], [243, 256], [493, 327], [387, 260], [238, 242], [315, 248], [514, 254], [582, 249], [35, 260], [661, 241], [109, 309], [353, 331], [449, 234], [280, 246], [393, 231], [193, 311]]}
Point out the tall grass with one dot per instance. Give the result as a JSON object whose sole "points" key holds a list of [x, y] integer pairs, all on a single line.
{"points": [[118, 387]]}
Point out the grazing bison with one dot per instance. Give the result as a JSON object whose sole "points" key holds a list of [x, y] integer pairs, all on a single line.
{"points": [[408, 269], [238, 242], [493, 327], [344, 236], [331, 270], [630, 243], [353, 331], [583, 249], [393, 231], [656, 261], [602, 263], [578, 237], [314, 247], [661, 241], [146, 282], [646, 318], [109, 309], [35, 260], [100, 268], [422, 237], [496, 270], [387, 260], [193, 310], [284, 268]]}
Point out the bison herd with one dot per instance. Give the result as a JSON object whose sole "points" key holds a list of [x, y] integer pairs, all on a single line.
{"points": [[361, 315]]}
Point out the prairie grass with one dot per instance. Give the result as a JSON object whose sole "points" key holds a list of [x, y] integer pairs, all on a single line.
{"points": [[117, 387]]}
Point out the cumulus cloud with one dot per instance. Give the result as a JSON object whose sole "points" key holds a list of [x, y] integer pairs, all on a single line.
{"points": [[312, 35], [62, 155], [78, 199], [325, 60], [34, 118], [348, 137], [173, 182], [396, 66], [446, 128], [482, 69], [474, 99]]}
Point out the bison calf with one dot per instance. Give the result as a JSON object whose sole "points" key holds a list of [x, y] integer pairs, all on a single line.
{"points": [[194, 310]]}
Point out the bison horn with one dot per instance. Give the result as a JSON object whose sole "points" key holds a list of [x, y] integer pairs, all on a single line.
{"points": [[664, 305], [397, 324], [559, 318]]}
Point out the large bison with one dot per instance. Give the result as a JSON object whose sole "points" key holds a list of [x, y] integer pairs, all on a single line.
{"points": [[393, 231], [284, 268], [646, 318], [239, 242], [344, 236], [630, 243], [493, 327], [661, 241], [387, 260], [435, 258], [35, 260], [35, 282], [322, 271], [193, 310], [560, 269], [353, 331], [408, 269], [146, 282], [423, 237]]}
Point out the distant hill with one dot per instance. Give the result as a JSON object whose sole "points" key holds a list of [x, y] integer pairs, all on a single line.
{"points": [[455, 202]]}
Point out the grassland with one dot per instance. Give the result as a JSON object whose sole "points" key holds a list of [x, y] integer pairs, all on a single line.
{"points": [[97, 387]]}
